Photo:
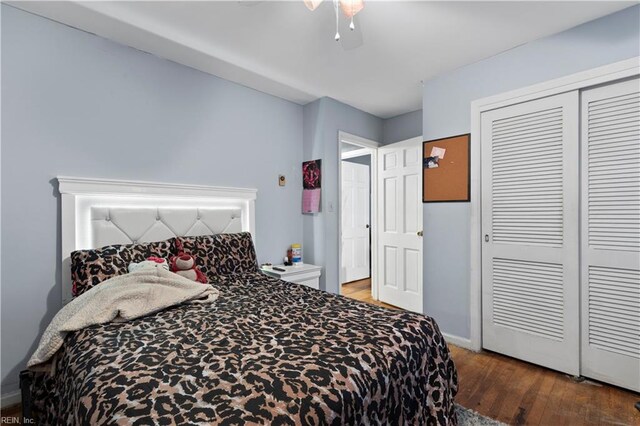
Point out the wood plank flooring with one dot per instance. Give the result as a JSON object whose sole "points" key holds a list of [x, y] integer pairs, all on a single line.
{"points": [[361, 290], [518, 393]]}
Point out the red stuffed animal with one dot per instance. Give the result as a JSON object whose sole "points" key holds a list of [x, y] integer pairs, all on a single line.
{"points": [[185, 266]]}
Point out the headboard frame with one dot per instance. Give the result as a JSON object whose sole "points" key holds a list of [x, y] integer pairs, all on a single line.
{"points": [[100, 212]]}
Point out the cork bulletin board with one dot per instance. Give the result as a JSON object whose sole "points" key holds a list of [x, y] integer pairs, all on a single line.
{"points": [[445, 174]]}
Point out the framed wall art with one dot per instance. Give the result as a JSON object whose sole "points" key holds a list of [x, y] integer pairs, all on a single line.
{"points": [[311, 186]]}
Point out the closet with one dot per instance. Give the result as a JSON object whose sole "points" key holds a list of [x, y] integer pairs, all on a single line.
{"points": [[561, 228]]}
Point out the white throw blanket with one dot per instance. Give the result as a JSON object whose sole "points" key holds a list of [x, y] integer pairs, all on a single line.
{"points": [[118, 299]]}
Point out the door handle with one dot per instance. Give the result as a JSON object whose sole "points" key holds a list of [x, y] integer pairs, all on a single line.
{"points": [[420, 233], [366, 226]]}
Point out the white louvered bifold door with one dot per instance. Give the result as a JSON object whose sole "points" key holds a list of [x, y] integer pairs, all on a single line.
{"points": [[530, 188], [610, 145]]}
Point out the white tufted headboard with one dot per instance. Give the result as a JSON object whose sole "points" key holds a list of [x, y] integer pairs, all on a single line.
{"points": [[126, 225], [100, 212]]}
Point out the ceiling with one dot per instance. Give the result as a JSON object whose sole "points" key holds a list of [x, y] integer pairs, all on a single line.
{"points": [[286, 50]]}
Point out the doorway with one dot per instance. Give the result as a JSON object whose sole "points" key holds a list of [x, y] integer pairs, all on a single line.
{"points": [[395, 219], [400, 232], [357, 216], [356, 219]]}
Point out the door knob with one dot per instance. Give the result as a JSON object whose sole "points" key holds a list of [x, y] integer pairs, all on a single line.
{"points": [[420, 233], [367, 226]]}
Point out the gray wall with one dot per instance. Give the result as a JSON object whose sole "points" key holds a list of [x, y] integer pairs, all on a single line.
{"points": [[446, 111], [402, 127], [322, 121], [79, 105]]}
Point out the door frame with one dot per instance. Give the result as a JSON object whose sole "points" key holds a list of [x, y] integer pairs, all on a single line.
{"points": [[367, 147], [578, 81]]}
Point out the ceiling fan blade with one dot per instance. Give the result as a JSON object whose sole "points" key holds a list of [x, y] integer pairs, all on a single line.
{"points": [[351, 39]]}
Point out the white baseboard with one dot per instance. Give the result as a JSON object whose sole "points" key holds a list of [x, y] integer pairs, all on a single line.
{"points": [[462, 342], [10, 398]]}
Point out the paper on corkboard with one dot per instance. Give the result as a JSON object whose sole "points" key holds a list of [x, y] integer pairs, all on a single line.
{"points": [[450, 180]]}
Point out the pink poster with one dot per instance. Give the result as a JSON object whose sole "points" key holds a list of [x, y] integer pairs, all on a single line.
{"points": [[310, 200], [311, 182]]}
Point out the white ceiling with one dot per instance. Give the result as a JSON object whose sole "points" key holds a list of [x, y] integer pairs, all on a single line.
{"points": [[286, 50]]}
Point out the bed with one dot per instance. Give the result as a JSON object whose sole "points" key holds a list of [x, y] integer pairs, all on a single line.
{"points": [[266, 352]]}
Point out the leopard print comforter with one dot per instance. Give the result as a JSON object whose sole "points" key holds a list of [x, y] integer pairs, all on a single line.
{"points": [[267, 352]]}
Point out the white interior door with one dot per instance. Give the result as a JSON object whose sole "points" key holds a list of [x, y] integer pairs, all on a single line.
{"points": [[611, 234], [400, 234], [356, 245], [530, 200]]}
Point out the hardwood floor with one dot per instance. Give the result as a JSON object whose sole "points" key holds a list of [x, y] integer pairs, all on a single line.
{"points": [[518, 393], [513, 391], [361, 290]]}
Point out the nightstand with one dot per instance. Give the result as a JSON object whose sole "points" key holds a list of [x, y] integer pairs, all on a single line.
{"points": [[305, 274]]}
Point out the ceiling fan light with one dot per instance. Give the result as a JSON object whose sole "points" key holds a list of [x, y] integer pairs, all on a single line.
{"points": [[312, 4], [351, 7]]}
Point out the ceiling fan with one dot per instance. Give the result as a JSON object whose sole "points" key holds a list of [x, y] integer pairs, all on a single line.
{"points": [[350, 9]]}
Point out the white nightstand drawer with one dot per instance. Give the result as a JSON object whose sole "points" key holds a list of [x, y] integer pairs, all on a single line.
{"points": [[308, 275], [312, 282]]}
